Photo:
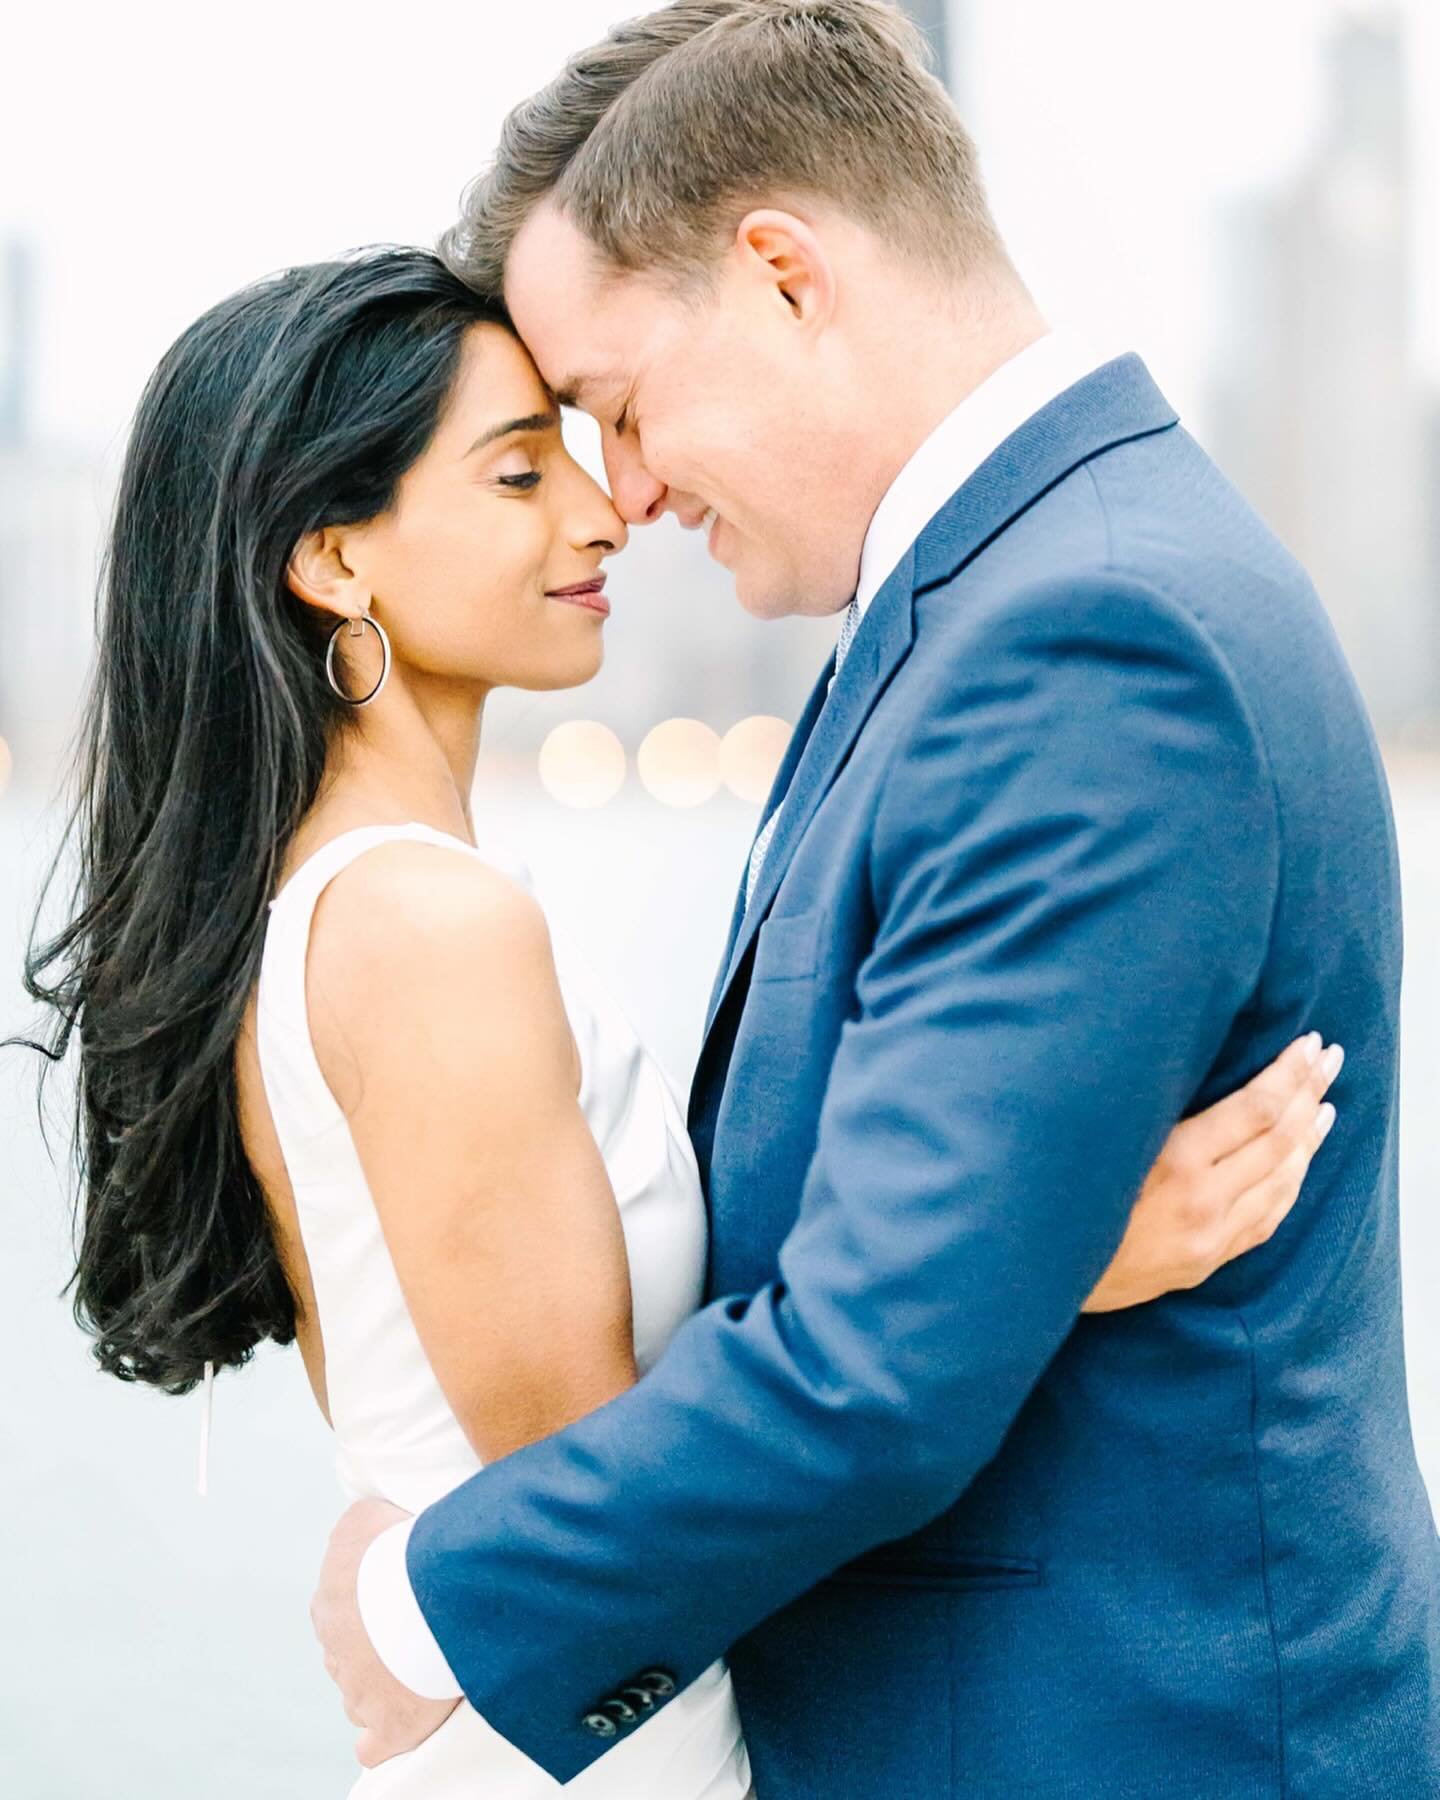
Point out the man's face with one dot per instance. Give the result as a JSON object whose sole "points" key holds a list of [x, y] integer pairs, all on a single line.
{"points": [[720, 410]]}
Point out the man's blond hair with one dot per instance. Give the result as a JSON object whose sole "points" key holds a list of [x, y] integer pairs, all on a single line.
{"points": [[657, 140]]}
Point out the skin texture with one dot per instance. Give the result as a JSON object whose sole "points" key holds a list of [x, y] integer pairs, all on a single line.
{"points": [[453, 1060], [459, 569], [786, 397]]}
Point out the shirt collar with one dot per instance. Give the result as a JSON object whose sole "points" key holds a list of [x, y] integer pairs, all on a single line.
{"points": [[962, 441]]}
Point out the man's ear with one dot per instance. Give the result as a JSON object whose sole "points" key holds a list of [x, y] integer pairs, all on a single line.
{"points": [[786, 253], [319, 574]]}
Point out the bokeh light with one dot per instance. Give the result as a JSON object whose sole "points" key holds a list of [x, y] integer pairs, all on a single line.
{"points": [[7, 764], [582, 764], [751, 754], [679, 762]]}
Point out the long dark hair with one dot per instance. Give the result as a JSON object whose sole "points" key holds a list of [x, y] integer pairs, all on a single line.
{"points": [[299, 402]]}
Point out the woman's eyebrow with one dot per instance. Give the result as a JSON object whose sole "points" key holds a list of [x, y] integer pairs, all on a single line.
{"points": [[546, 421]]}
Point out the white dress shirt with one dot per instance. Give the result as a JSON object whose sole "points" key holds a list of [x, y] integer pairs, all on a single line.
{"points": [[947, 458], [944, 462], [964, 439]]}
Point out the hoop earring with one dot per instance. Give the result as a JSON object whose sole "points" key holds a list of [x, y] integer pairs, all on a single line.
{"points": [[357, 629]]}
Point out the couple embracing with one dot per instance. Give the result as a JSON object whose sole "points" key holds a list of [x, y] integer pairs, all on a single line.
{"points": [[959, 1401]]}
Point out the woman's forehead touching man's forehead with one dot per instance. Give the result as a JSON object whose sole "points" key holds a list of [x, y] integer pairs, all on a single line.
{"points": [[587, 331]]}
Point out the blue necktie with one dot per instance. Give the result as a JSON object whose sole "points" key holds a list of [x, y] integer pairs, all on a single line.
{"points": [[762, 843]]}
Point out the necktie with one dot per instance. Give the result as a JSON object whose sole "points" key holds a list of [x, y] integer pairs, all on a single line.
{"points": [[848, 628]]}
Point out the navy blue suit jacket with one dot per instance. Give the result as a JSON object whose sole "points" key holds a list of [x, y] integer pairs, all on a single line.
{"points": [[1092, 824]]}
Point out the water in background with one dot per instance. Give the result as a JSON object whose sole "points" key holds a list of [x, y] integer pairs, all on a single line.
{"points": [[155, 1645]]}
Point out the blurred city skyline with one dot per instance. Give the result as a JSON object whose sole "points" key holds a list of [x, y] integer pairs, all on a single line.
{"points": [[1231, 194]]}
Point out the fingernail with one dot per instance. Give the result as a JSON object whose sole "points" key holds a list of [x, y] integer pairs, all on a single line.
{"points": [[1324, 1120], [1334, 1060], [1312, 1046]]}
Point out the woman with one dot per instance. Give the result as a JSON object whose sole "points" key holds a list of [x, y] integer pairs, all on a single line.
{"points": [[336, 1083]]}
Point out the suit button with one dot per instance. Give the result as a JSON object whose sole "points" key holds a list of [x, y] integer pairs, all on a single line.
{"points": [[601, 1726], [659, 1682], [638, 1696], [622, 1709]]}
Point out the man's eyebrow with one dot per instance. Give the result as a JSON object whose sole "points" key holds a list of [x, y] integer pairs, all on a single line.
{"points": [[546, 421], [568, 393]]}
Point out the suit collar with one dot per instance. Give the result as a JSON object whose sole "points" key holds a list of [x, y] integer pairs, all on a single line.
{"points": [[1118, 402], [960, 443]]}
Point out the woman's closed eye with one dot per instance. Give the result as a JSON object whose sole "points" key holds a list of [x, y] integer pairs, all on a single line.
{"points": [[517, 471], [517, 467]]}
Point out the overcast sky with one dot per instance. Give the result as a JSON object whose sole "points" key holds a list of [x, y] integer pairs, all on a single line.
{"points": [[162, 153]]}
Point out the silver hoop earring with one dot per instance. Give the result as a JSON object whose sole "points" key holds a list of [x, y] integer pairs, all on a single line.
{"points": [[357, 629]]}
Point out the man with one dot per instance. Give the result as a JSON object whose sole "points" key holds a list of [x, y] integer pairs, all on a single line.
{"points": [[1089, 823]]}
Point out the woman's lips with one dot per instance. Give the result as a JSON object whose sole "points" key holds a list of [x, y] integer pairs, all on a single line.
{"points": [[589, 594]]}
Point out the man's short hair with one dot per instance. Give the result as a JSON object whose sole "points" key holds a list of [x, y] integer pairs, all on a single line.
{"points": [[658, 140]]}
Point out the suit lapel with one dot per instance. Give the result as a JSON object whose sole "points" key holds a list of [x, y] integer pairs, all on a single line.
{"points": [[880, 645], [794, 750], [1116, 403], [1120, 401]]}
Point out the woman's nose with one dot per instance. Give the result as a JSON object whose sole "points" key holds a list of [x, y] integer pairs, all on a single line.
{"points": [[609, 534], [594, 523]]}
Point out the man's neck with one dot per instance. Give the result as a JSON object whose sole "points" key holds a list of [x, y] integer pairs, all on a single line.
{"points": [[945, 357]]}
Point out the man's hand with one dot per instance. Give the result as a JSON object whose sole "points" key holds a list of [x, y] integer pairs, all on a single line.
{"points": [[391, 1719], [1225, 1181]]}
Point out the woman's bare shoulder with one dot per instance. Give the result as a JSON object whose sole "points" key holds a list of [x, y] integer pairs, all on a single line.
{"points": [[411, 898], [415, 942]]}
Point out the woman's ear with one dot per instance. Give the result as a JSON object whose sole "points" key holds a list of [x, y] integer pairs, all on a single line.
{"points": [[319, 574]]}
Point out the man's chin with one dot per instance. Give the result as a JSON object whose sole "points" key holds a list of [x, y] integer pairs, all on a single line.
{"points": [[766, 598]]}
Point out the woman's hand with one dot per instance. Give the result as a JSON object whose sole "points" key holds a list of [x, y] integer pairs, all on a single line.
{"points": [[1225, 1180], [390, 1719]]}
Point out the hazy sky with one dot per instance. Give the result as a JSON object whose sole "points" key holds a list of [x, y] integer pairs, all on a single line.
{"points": [[162, 153], [1112, 131]]}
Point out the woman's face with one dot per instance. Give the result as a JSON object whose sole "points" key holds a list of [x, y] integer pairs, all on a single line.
{"points": [[487, 569]]}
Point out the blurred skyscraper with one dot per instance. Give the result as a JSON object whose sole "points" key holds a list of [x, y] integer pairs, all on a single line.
{"points": [[1321, 414], [52, 508], [16, 336]]}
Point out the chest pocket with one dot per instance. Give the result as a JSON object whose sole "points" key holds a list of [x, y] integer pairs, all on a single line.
{"points": [[788, 949]]}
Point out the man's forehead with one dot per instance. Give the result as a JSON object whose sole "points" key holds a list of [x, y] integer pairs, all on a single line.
{"points": [[549, 282], [574, 366], [575, 323]]}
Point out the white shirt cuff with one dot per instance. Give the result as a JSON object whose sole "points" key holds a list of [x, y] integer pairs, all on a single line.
{"points": [[394, 1622]]}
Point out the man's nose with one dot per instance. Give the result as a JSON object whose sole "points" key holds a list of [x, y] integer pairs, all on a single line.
{"points": [[638, 496]]}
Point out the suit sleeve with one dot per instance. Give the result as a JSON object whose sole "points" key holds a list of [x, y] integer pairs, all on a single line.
{"points": [[1074, 866]]}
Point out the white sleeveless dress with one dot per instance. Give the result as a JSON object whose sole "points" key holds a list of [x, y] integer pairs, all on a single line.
{"points": [[396, 1436]]}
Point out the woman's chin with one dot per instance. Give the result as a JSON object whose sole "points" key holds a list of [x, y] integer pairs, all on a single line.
{"points": [[572, 672]]}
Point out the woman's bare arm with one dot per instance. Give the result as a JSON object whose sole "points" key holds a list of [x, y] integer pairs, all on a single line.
{"points": [[439, 1026]]}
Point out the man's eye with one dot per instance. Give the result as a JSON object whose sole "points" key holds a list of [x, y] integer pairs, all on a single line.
{"points": [[532, 480]]}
